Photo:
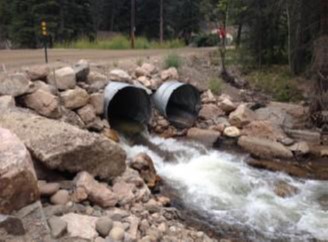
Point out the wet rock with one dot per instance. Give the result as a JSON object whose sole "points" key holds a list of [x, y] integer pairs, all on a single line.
{"points": [[14, 84], [111, 134], [63, 78], [117, 234], [207, 137], [210, 111], [39, 72], [97, 101], [97, 125], [18, 184], [300, 148], [104, 226], [283, 189], [82, 69], [12, 225], [75, 98], [48, 189], [232, 132], [87, 113], [323, 201], [43, 103], [264, 148], [61, 197], [263, 129], [63, 147], [86, 187], [81, 226], [119, 76], [170, 74], [57, 226], [241, 116], [7, 102], [145, 166]]}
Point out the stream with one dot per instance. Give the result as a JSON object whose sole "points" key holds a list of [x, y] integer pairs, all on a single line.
{"points": [[222, 189]]}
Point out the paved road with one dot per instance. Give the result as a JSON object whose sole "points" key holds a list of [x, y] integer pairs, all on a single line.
{"points": [[17, 58]]}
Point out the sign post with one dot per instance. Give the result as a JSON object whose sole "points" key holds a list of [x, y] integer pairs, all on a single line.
{"points": [[45, 39]]}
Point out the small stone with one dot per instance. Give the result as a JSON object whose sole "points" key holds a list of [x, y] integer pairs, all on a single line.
{"points": [[162, 227], [48, 189], [300, 148], [100, 239], [170, 74], [210, 111], [227, 105], [58, 227], [164, 201], [111, 134], [60, 198], [232, 132], [96, 77], [117, 234], [241, 116], [104, 226], [7, 102]]}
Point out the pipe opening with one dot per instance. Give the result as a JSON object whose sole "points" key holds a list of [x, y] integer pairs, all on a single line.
{"points": [[128, 108], [179, 102]]}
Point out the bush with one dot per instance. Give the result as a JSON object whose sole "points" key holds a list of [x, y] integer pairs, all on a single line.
{"points": [[215, 85], [173, 60], [205, 40]]}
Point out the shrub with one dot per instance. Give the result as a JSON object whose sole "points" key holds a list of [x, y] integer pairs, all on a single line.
{"points": [[173, 60], [215, 85]]}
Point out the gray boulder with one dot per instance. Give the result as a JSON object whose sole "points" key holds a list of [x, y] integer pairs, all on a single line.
{"points": [[14, 84], [64, 147]]}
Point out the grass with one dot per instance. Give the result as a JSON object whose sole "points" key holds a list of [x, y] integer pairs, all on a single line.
{"points": [[276, 81], [173, 60], [215, 85], [120, 42]]}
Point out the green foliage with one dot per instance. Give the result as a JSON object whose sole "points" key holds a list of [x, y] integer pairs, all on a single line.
{"points": [[204, 40], [119, 42], [215, 85], [173, 60], [276, 81]]}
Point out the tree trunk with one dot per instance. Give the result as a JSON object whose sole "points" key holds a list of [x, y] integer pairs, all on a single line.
{"points": [[133, 8], [161, 23], [238, 38]]}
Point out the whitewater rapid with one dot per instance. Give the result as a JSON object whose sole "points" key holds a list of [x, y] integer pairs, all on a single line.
{"points": [[225, 189]]}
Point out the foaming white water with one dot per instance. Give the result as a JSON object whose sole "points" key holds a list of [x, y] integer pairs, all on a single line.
{"points": [[222, 186]]}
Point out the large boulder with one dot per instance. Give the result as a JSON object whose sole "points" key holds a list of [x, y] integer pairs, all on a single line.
{"points": [[64, 147], [63, 78], [95, 77], [14, 84], [97, 100], [263, 148], [44, 103], [241, 116], [264, 129], [207, 137], [18, 183]]}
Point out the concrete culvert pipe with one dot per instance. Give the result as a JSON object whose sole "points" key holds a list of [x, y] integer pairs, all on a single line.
{"points": [[178, 102], [127, 107]]}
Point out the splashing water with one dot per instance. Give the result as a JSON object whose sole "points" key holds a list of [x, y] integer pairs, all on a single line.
{"points": [[227, 190]]}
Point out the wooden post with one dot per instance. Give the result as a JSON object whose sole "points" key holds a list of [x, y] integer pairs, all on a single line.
{"points": [[133, 8], [161, 23]]}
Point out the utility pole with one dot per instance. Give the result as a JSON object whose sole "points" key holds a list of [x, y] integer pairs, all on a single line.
{"points": [[133, 27], [161, 24]]}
